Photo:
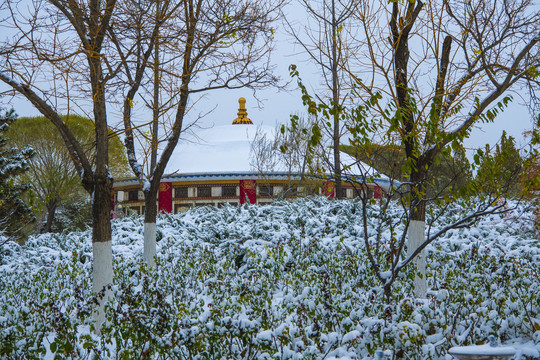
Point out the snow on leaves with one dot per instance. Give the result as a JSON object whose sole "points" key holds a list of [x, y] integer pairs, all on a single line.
{"points": [[288, 280]]}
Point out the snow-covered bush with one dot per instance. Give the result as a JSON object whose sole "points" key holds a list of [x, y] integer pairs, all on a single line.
{"points": [[289, 280], [73, 216]]}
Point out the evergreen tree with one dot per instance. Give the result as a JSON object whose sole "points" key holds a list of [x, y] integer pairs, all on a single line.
{"points": [[501, 169], [53, 177], [451, 172], [14, 212]]}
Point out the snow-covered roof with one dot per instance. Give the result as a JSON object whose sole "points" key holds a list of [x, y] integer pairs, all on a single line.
{"points": [[220, 149], [226, 152], [227, 149]]}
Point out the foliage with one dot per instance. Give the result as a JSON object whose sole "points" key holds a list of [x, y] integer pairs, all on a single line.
{"points": [[531, 172], [504, 165], [53, 177], [289, 280], [74, 216], [40, 130], [14, 213], [451, 169]]}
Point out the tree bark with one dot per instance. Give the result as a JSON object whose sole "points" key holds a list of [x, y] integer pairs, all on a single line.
{"points": [[51, 211], [103, 181], [335, 100], [416, 238], [149, 233], [401, 28]]}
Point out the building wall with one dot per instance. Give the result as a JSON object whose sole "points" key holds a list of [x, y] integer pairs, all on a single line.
{"points": [[188, 194]]}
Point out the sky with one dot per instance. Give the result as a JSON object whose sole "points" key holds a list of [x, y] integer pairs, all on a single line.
{"points": [[276, 106]]}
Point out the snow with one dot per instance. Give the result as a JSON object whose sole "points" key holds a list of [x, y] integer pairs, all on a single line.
{"points": [[303, 267], [483, 350], [221, 149], [228, 149], [9, 79]]}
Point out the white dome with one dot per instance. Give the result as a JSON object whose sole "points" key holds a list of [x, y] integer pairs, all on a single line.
{"points": [[221, 149], [227, 149]]}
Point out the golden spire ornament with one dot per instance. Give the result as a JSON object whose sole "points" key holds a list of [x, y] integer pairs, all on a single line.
{"points": [[242, 114]]}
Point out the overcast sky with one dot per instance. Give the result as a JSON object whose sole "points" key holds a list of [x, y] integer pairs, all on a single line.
{"points": [[277, 106]]}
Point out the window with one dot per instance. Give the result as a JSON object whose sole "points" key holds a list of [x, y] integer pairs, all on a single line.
{"points": [[204, 191], [266, 190], [370, 194], [228, 191], [178, 208], [291, 192], [133, 195], [136, 209], [181, 192]]}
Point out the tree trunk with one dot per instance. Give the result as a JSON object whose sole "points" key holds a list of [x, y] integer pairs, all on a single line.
{"points": [[416, 238], [417, 226], [150, 215], [101, 244], [51, 211], [335, 100], [102, 188], [401, 28]]}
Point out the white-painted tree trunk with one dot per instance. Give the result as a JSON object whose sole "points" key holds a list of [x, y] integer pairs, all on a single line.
{"points": [[149, 252], [416, 238], [103, 276]]}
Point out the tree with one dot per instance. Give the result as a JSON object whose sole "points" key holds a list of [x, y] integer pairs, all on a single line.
{"points": [[14, 213], [52, 175], [467, 56], [450, 172], [503, 166], [285, 150], [58, 54], [531, 171], [327, 46], [204, 45], [451, 169]]}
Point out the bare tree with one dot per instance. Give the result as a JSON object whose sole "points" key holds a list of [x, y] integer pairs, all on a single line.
{"points": [[426, 74], [205, 45], [286, 150], [58, 55], [326, 39]]}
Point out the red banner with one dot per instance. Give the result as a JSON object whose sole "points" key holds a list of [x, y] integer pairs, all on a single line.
{"points": [[248, 189], [329, 189], [112, 205], [377, 193], [165, 197]]}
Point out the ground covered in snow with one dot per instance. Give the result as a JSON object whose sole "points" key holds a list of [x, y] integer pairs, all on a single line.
{"points": [[289, 281]]}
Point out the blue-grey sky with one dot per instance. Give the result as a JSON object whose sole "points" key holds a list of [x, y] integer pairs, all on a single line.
{"points": [[278, 105]]}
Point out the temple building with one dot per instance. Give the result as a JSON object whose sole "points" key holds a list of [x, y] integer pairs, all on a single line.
{"points": [[218, 166]]}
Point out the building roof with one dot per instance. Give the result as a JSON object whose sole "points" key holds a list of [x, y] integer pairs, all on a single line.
{"points": [[221, 149], [225, 152]]}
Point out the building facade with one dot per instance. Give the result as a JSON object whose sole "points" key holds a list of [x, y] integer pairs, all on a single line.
{"points": [[218, 168]]}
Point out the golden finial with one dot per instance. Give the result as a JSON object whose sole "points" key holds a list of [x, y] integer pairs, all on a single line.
{"points": [[242, 113]]}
